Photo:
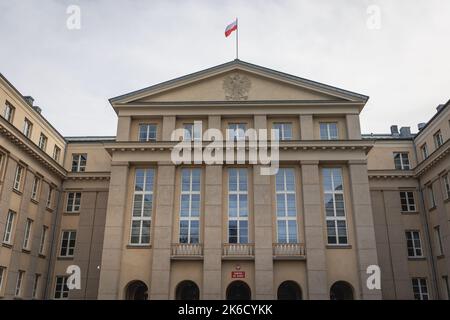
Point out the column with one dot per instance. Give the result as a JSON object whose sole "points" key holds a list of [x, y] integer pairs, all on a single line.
{"points": [[314, 232], [162, 241], [364, 227], [306, 127]]}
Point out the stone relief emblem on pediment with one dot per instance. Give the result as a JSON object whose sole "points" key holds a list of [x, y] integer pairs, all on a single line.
{"points": [[236, 87]]}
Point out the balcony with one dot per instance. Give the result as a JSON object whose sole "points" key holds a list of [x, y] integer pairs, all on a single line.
{"points": [[238, 251], [187, 251], [288, 251]]}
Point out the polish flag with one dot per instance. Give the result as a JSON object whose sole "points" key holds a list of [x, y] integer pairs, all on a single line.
{"points": [[230, 28]]}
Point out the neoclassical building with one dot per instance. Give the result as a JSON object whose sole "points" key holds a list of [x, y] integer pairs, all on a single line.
{"points": [[140, 226]]}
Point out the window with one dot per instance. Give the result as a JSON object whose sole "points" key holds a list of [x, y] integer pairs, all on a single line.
{"points": [[56, 153], [9, 112], [237, 206], [19, 281], [424, 150], [193, 131], [328, 131], [50, 197], [444, 280], [236, 131], [334, 206], [79, 162], [26, 238], [284, 131], [286, 206], [34, 294], [438, 140], [43, 240], [438, 241], [68, 243], [420, 288], [190, 205], [407, 201], [414, 244], [35, 188], [147, 132], [446, 183], [432, 199], [2, 276], [18, 177], [27, 128], [401, 161], [73, 202], [7, 236], [43, 141], [61, 289], [142, 206]]}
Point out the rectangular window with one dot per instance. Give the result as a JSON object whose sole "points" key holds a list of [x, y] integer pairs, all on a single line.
{"points": [[61, 289], [420, 288], [43, 141], [407, 201], [192, 132], [18, 177], [328, 131], [334, 206], [424, 150], [190, 205], [7, 236], [284, 130], [56, 153], [414, 244], [438, 140], [68, 240], [401, 161], [9, 112], [286, 206], [19, 281], [35, 188], [27, 128], [2, 276], [236, 131], [446, 183], [237, 206], [445, 283], [34, 294], [50, 197], [43, 240], [141, 220], [73, 202], [26, 238], [147, 132], [431, 197], [438, 241], [79, 162]]}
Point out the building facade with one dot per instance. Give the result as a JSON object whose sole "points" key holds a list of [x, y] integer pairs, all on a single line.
{"points": [[139, 226]]}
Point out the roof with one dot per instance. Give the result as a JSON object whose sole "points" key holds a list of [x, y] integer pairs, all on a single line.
{"points": [[444, 107], [92, 139]]}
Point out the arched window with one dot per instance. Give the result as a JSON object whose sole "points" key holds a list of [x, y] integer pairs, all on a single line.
{"points": [[341, 290], [289, 290], [238, 290], [187, 290], [136, 290]]}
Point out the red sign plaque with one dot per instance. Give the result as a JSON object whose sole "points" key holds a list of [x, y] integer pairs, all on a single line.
{"points": [[237, 274]]}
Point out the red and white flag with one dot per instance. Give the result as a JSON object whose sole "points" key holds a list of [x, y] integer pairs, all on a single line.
{"points": [[230, 28]]}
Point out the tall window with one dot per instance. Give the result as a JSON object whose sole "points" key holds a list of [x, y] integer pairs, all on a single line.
{"points": [[49, 197], [79, 162], [328, 131], [7, 236], [444, 280], [61, 289], [2, 276], [414, 244], [236, 131], [56, 153], [407, 201], [27, 128], [401, 161], [284, 130], [286, 206], [68, 240], [190, 205], [237, 206], [43, 141], [18, 177], [420, 288], [334, 206], [26, 238], [446, 183], [43, 240], [34, 294], [9, 112], [438, 241], [438, 140], [147, 132], [431, 197], [192, 132], [35, 188], [424, 150], [19, 281], [73, 202], [141, 219]]}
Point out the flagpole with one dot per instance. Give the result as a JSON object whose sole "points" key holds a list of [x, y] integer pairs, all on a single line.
{"points": [[237, 39]]}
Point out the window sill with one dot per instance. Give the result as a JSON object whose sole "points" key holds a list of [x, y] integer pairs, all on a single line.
{"points": [[441, 256], [64, 258], [447, 200], [34, 201], [139, 246], [432, 208], [43, 256], [49, 209], [409, 212], [26, 251], [71, 213], [417, 258], [339, 246], [7, 245], [17, 191]]}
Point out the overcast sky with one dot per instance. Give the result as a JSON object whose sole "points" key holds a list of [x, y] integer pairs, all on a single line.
{"points": [[124, 45]]}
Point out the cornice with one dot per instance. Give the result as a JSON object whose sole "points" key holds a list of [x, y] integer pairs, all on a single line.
{"points": [[391, 174], [433, 159], [97, 175]]}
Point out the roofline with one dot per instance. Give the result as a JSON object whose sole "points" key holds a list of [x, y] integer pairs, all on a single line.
{"points": [[433, 118], [91, 139]]}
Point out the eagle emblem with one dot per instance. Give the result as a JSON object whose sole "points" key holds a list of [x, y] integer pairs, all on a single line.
{"points": [[236, 87]]}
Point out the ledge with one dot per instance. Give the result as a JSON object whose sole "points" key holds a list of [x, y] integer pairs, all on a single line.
{"points": [[34, 201], [27, 251], [417, 258], [20, 193], [134, 246], [89, 175], [339, 246], [409, 212], [7, 245], [43, 256], [64, 258]]}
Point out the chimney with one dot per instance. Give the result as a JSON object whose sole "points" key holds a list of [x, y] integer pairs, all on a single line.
{"points": [[421, 125], [405, 131], [29, 100], [394, 130], [439, 107], [37, 109]]}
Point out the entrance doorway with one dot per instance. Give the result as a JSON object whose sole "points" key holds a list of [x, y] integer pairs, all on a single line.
{"points": [[238, 290]]}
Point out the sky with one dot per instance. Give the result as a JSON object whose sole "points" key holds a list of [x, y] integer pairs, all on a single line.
{"points": [[396, 52]]}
